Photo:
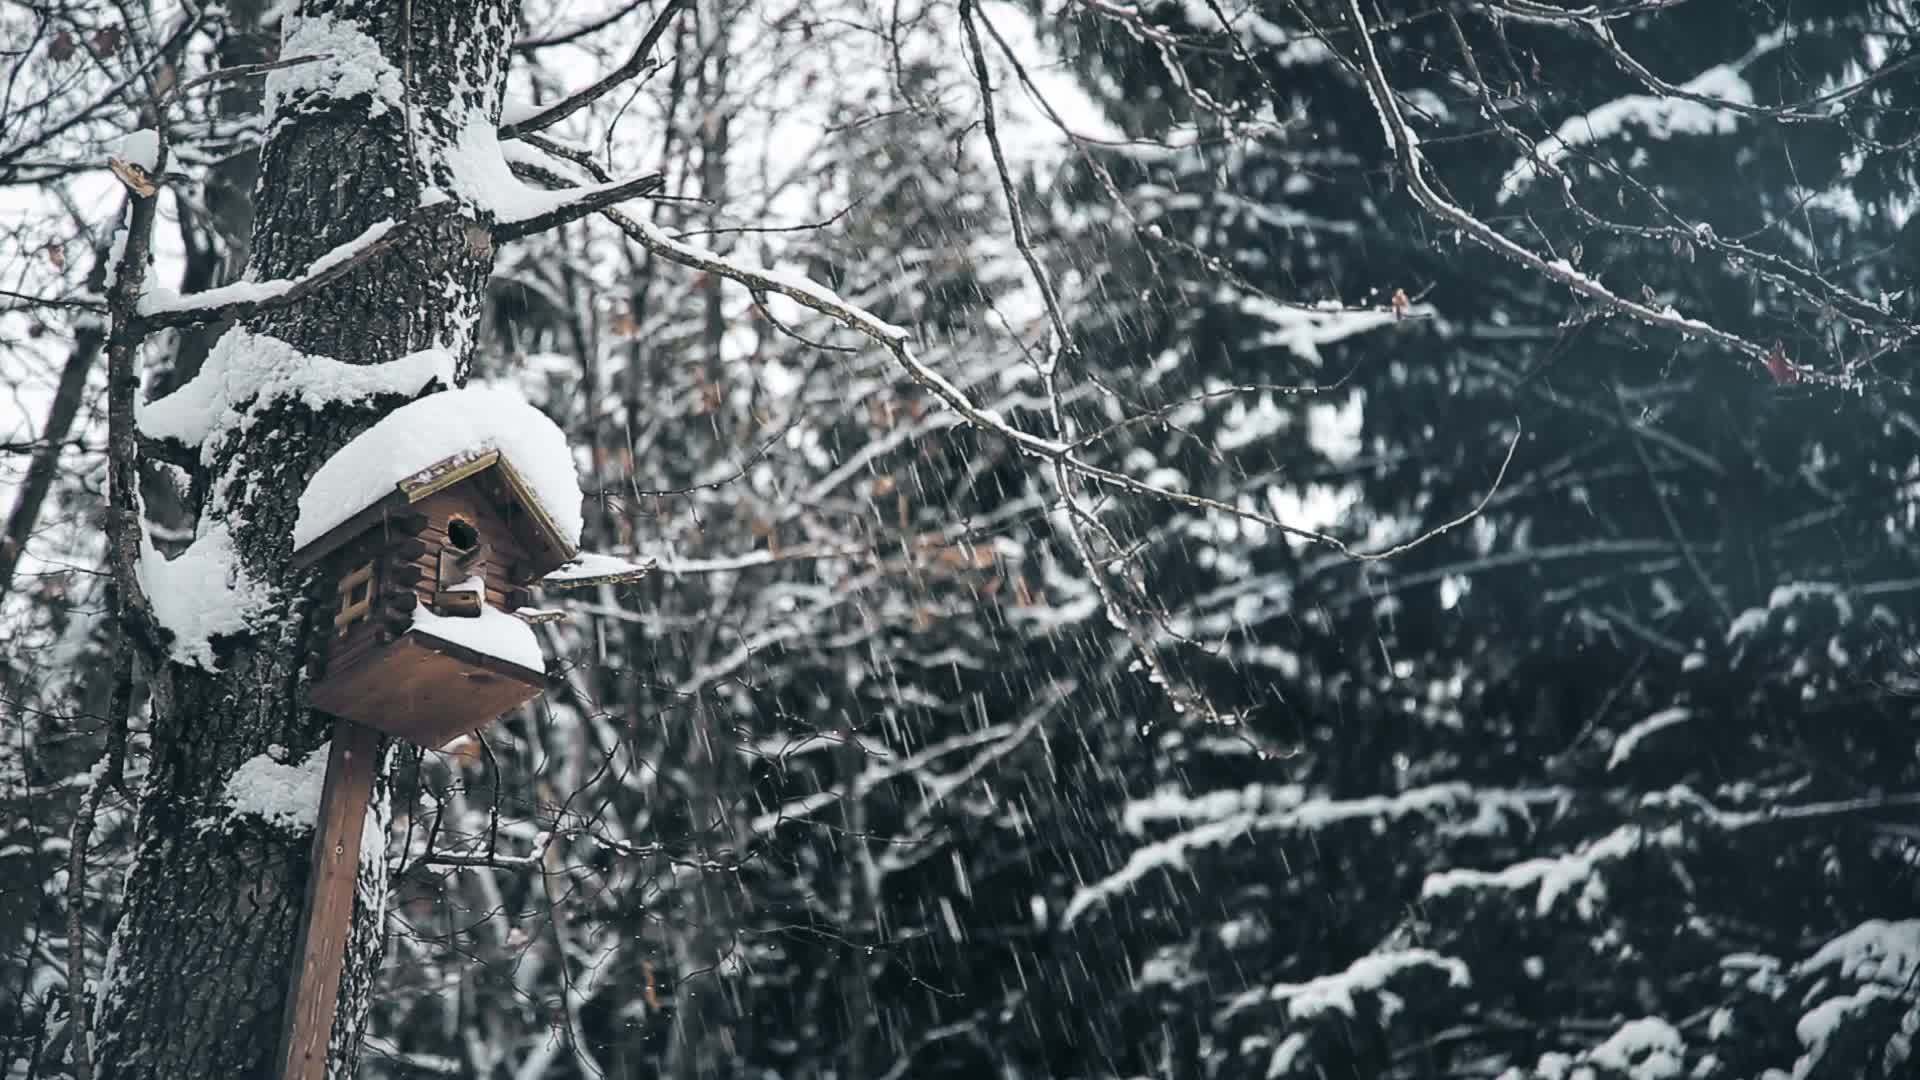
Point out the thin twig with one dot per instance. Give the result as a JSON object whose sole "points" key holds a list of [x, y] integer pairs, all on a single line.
{"points": [[1666, 510], [1406, 151], [243, 71], [29, 301], [640, 62], [1077, 519]]}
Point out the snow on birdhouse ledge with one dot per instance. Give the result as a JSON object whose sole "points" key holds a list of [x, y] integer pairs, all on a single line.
{"points": [[432, 444], [588, 569]]}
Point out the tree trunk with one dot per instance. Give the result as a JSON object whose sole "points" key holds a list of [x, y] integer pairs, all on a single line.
{"points": [[197, 973], [706, 1030], [67, 399]]}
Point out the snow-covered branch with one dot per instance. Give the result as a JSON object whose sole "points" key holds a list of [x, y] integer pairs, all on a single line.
{"points": [[640, 62], [160, 309], [895, 340], [1406, 149], [578, 203]]}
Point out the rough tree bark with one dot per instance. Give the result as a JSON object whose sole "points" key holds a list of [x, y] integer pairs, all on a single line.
{"points": [[197, 972]]}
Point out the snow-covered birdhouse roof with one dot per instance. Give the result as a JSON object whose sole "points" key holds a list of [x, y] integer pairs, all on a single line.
{"points": [[432, 444]]}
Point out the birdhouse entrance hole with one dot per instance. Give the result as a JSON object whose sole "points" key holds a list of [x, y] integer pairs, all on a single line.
{"points": [[461, 534]]}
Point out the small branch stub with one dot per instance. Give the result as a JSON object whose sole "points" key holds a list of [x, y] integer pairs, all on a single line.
{"points": [[459, 603], [136, 178]]}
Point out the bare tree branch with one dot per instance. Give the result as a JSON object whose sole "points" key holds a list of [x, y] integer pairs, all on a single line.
{"points": [[586, 201], [639, 63], [1406, 148], [894, 339], [124, 539]]}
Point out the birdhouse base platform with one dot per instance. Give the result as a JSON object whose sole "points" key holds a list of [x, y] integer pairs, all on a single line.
{"points": [[425, 690]]}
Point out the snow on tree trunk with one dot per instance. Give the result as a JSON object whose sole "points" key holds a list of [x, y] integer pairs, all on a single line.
{"points": [[196, 976]]}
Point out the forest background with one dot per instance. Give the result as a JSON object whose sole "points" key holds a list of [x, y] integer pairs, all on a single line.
{"points": [[1496, 658]]}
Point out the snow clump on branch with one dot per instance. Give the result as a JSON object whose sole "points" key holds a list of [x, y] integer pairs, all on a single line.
{"points": [[246, 372], [350, 64], [140, 148]]}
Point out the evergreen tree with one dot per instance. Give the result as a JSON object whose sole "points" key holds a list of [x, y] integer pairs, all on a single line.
{"points": [[1559, 769]]}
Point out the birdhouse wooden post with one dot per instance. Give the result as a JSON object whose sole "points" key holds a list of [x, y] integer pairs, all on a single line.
{"points": [[426, 533]]}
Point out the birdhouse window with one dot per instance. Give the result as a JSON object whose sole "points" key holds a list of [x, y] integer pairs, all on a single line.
{"points": [[356, 599]]}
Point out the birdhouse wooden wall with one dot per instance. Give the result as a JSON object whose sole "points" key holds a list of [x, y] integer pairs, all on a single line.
{"points": [[371, 665]]}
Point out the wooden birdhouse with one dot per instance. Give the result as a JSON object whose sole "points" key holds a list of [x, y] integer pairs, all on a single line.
{"points": [[417, 637], [429, 530], [425, 533]]}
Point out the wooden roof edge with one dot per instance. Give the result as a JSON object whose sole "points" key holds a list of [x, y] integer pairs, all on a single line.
{"points": [[542, 520], [333, 539], [447, 472]]}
